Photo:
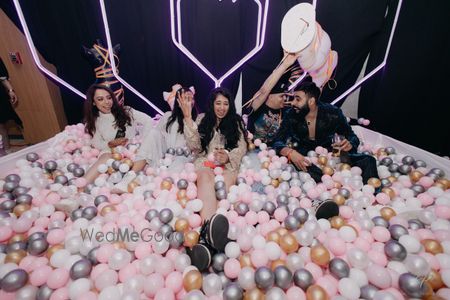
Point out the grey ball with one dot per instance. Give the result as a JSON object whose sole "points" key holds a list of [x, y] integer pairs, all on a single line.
{"points": [[283, 277], [394, 250], [170, 151], [269, 207], [282, 200], [71, 167], [303, 279], [415, 224], [89, 212], [37, 246], [396, 174], [182, 184], [36, 164], [223, 278], [10, 186], [408, 160], [44, 293], [339, 268], [390, 150], [36, 235], [241, 208], [240, 180], [386, 161], [264, 278], [219, 185], [100, 199], [233, 292], [301, 215], [405, 169], [218, 261], [186, 151], [116, 165], [81, 269], [32, 156], [166, 230], [179, 151], [14, 280], [393, 167], [368, 292], [439, 172], [92, 255], [344, 192], [12, 178], [21, 245], [420, 164], [397, 231], [176, 239], [89, 188], [148, 194], [24, 199], [76, 214], [417, 189], [78, 172], [50, 165], [165, 215], [291, 223], [61, 179], [411, 285], [221, 194], [7, 205], [151, 214], [379, 221], [7, 195], [20, 190]]}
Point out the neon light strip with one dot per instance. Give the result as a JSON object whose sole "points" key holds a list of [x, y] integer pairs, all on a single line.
{"points": [[295, 83], [380, 66], [35, 55], [259, 40], [314, 4], [113, 63]]}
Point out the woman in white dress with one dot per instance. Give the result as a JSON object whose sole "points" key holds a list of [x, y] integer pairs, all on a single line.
{"points": [[112, 125], [171, 128]]}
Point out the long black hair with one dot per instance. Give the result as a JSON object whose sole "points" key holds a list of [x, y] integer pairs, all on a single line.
{"points": [[121, 114], [177, 113], [231, 126]]}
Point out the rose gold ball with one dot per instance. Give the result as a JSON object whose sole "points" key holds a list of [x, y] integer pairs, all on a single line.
{"points": [[110, 170], [337, 222], [18, 237], [265, 165], [288, 243], [375, 182], [273, 236], [345, 167], [277, 263], [245, 261], [439, 185], [119, 245], [132, 185], [183, 202], [339, 199], [15, 256], [445, 182], [191, 238], [387, 213], [432, 246], [107, 209], [320, 255], [181, 225], [392, 179], [282, 231], [129, 162], [192, 280], [21, 208], [328, 170], [251, 146], [322, 160], [316, 292], [388, 191], [181, 194], [275, 183], [166, 185], [116, 156], [415, 175], [254, 294], [435, 280]]}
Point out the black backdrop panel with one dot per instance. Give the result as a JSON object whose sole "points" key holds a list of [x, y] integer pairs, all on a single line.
{"points": [[400, 101]]}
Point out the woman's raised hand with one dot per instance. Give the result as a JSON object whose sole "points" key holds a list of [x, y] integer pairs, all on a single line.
{"points": [[184, 100]]}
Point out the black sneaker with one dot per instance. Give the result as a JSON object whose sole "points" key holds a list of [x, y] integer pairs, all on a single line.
{"points": [[201, 256], [325, 209], [215, 232]]}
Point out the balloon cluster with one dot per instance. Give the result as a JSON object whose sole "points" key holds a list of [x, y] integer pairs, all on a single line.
{"points": [[61, 238]]}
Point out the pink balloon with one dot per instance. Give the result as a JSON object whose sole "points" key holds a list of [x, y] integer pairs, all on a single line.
{"points": [[378, 258], [442, 211], [381, 234], [88, 296], [98, 269], [337, 246], [378, 276], [174, 281], [232, 268], [22, 225], [315, 270], [153, 284], [58, 278], [55, 236], [60, 294], [329, 284], [142, 250], [382, 198], [295, 293], [165, 294], [251, 217], [345, 211], [40, 275], [280, 214], [127, 272], [295, 191], [7, 296], [53, 198], [104, 252], [5, 233], [195, 220], [165, 266]]}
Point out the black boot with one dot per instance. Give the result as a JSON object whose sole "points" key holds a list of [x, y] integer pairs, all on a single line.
{"points": [[214, 232], [325, 209]]}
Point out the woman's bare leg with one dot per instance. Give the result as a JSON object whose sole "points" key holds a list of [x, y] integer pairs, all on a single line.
{"points": [[206, 193], [229, 178], [139, 165], [92, 173]]}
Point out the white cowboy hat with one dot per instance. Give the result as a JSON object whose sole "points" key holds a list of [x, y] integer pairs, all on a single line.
{"points": [[298, 27]]}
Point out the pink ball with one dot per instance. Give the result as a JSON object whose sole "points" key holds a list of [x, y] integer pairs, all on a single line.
{"points": [[345, 211], [362, 244], [381, 234], [442, 211], [104, 252], [337, 246], [263, 217], [426, 181], [305, 203], [315, 270], [153, 284], [174, 281], [232, 268], [295, 191], [165, 266], [259, 258], [55, 236], [5, 233], [58, 278], [195, 220], [7, 296], [329, 284], [295, 293], [27, 262], [127, 272], [378, 258], [313, 193], [280, 214], [426, 199], [382, 198], [305, 253], [53, 198], [251, 217], [60, 294], [165, 294], [40, 275], [378, 276]]}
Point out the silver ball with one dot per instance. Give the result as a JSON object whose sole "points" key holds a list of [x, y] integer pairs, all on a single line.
{"points": [[78, 172], [50, 165], [7, 205], [16, 246], [386, 161], [176, 239], [187, 151], [71, 167], [89, 188], [393, 168], [12, 178], [405, 169], [24, 199], [291, 223], [92, 255], [179, 151], [14, 280], [420, 164], [417, 189], [20, 190], [301, 215], [61, 179], [394, 250], [241, 208], [165, 215], [269, 207], [240, 180], [116, 165], [415, 224], [100, 199], [303, 279], [439, 172], [219, 185], [411, 285], [282, 200], [264, 278], [344, 192], [37, 246], [368, 292], [36, 164], [223, 278], [81, 269], [339, 268], [397, 231], [218, 261], [7, 195], [221, 194], [76, 214], [379, 221], [233, 292], [283, 277], [182, 184], [44, 293], [408, 160], [89, 212], [385, 182], [36, 235], [396, 174], [389, 150], [10, 186], [32, 157], [148, 194], [151, 214], [170, 151]]}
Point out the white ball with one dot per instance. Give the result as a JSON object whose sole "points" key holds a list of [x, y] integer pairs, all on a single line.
{"points": [[285, 175], [59, 258], [119, 259], [435, 191], [349, 289], [273, 250], [359, 277], [102, 168], [124, 168], [110, 293], [259, 242], [232, 250], [411, 244], [79, 287], [100, 181], [347, 234]]}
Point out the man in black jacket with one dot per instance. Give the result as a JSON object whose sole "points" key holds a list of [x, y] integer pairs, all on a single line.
{"points": [[311, 123]]}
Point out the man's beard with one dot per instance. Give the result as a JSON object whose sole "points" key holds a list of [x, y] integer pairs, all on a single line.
{"points": [[302, 111]]}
